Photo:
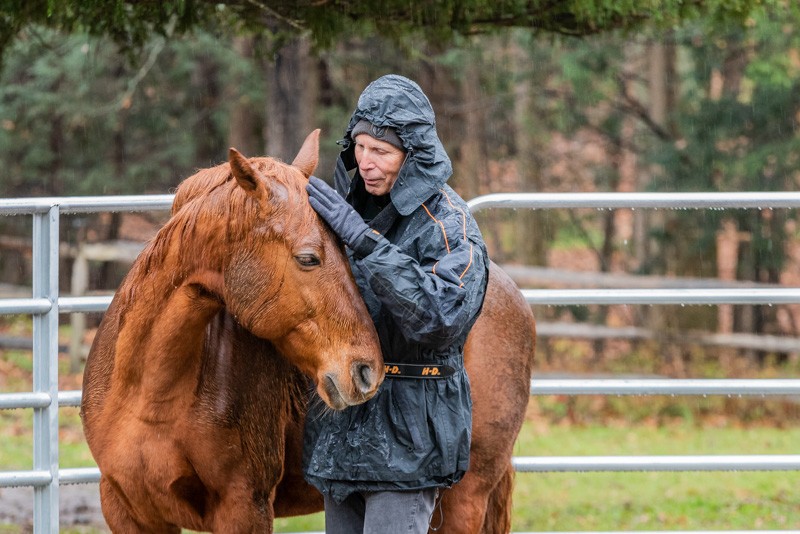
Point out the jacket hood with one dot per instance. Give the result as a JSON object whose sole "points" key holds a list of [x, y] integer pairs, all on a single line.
{"points": [[398, 102]]}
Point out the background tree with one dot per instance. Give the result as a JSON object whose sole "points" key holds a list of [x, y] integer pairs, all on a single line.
{"points": [[693, 100], [738, 104], [131, 24]]}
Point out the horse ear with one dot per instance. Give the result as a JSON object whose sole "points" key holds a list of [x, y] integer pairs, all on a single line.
{"points": [[252, 180], [248, 177], [308, 157]]}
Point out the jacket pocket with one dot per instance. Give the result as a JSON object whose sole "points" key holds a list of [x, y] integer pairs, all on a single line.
{"points": [[410, 403]]}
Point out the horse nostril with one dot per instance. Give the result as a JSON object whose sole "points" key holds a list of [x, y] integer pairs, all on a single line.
{"points": [[363, 376]]}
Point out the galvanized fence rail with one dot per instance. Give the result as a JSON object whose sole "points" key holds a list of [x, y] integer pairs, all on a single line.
{"points": [[45, 305]]}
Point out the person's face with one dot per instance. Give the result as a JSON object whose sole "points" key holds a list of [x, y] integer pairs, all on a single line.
{"points": [[378, 163]]}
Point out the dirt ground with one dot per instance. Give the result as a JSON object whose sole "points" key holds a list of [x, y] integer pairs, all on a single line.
{"points": [[79, 505]]}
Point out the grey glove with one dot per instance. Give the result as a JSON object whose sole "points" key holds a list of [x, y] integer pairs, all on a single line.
{"points": [[340, 216]]}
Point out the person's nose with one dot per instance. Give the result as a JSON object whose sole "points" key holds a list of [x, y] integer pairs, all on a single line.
{"points": [[367, 161]]}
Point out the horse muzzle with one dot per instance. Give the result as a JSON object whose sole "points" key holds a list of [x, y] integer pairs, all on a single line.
{"points": [[362, 384]]}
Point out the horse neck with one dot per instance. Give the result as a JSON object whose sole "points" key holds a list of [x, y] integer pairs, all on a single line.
{"points": [[170, 302], [242, 370]]}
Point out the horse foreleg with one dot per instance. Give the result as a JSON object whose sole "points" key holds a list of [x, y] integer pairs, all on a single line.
{"points": [[295, 496], [118, 514], [463, 507], [498, 510], [476, 505], [243, 509], [240, 518]]}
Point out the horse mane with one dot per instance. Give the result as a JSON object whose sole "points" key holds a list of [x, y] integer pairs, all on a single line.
{"points": [[203, 200]]}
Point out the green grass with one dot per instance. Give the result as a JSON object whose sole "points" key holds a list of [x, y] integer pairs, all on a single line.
{"points": [[646, 501], [595, 501], [574, 426], [652, 501], [309, 523], [16, 448]]}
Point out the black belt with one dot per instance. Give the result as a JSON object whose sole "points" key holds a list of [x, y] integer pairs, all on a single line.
{"points": [[417, 370]]}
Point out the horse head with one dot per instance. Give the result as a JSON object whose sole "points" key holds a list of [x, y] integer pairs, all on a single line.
{"points": [[283, 275]]}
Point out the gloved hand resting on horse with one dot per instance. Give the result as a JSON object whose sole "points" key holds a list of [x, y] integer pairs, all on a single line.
{"points": [[340, 216]]}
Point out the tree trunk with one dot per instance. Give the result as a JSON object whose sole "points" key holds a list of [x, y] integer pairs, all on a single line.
{"points": [[205, 84], [292, 94], [472, 164], [532, 228], [245, 128], [661, 88], [55, 184]]}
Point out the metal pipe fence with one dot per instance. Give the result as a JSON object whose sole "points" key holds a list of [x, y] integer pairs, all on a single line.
{"points": [[45, 305]]}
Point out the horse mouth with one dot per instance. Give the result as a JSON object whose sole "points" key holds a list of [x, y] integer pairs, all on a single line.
{"points": [[335, 398]]}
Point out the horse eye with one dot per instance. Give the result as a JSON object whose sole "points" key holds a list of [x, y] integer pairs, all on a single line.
{"points": [[307, 260]]}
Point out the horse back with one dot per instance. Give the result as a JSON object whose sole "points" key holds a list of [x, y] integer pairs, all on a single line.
{"points": [[499, 360]]}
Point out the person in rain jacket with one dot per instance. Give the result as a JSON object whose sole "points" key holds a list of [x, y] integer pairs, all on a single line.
{"points": [[421, 265]]}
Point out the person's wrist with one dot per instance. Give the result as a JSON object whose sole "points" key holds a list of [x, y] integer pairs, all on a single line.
{"points": [[365, 243]]}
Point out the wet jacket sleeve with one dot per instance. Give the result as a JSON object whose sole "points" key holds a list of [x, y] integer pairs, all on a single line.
{"points": [[435, 299]]}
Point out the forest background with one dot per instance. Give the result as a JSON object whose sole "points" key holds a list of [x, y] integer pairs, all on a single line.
{"points": [[109, 97], [104, 98]]}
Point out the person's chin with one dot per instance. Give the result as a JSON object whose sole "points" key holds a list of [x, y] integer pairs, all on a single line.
{"points": [[375, 188]]}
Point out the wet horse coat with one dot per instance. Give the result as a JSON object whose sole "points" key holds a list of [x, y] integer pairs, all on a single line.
{"points": [[204, 429], [499, 359], [200, 368]]}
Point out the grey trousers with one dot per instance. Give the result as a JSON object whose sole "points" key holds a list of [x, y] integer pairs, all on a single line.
{"points": [[381, 512]]}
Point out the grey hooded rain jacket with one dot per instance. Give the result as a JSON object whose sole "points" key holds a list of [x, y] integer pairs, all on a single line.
{"points": [[424, 283]]}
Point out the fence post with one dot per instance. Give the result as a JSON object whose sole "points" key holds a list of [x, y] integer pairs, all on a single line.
{"points": [[45, 368], [80, 281]]}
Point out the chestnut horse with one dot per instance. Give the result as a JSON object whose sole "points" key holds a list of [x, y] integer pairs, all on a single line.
{"points": [[198, 371], [236, 412]]}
